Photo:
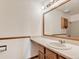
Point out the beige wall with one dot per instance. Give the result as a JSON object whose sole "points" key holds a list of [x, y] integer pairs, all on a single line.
{"points": [[36, 18], [16, 49], [74, 29], [11, 22], [74, 17], [20, 17]]}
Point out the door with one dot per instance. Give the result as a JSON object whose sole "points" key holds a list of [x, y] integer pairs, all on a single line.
{"points": [[50, 54], [41, 55], [60, 57]]}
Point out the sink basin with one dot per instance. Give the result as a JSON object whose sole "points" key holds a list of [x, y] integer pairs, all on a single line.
{"points": [[58, 45]]}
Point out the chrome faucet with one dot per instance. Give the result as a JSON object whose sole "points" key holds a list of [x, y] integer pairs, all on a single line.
{"points": [[62, 41]]}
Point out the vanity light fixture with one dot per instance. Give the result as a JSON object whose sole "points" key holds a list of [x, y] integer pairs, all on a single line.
{"points": [[49, 4], [43, 8], [51, 0], [55, 5]]}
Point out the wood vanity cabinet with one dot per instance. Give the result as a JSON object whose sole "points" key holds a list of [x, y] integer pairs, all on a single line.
{"points": [[41, 55], [50, 55], [41, 52], [45, 53], [60, 57]]}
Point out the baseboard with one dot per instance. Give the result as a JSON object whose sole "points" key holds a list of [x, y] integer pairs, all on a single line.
{"points": [[34, 57]]}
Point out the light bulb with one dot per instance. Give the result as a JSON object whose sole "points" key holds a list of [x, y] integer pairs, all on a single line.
{"points": [[43, 7], [51, 0]]}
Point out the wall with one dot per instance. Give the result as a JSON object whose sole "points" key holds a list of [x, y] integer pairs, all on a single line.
{"points": [[18, 17], [36, 18], [73, 28], [11, 21], [74, 17], [16, 49]]}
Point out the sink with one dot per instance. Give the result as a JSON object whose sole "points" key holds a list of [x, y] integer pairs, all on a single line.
{"points": [[59, 45]]}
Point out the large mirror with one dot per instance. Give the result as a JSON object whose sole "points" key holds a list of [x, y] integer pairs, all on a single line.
{"points": [[62, 21]]}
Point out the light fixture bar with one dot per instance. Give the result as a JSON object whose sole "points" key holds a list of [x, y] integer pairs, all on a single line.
{"points": [[55, 5]]}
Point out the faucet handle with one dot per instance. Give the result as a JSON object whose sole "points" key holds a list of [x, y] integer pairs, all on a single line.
{"points": [[62, 41]]}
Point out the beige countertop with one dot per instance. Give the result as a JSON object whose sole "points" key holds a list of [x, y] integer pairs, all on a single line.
{"points": [[72, 53]]}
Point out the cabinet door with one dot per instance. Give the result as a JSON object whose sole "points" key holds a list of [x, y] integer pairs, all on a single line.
{"points": [[41, 55], [50, 54], [41, 49], [59, 57]]}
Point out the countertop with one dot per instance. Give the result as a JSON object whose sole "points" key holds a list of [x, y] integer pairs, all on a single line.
{"points": [[72, 53]]}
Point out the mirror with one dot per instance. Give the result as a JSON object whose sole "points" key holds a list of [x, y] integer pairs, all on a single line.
{"points": [[62, 21]]}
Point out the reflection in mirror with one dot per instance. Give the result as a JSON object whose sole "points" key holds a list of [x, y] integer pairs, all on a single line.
{"points": [[63, 21]]}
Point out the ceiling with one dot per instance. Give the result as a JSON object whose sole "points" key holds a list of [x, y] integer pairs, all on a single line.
{"points": [[72, 7]]}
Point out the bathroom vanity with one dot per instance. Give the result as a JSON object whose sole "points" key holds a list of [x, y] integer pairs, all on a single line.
{"points": [[47, 52], [60, 23]]}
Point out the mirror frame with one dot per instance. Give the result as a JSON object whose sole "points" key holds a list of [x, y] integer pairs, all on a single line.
{"points": [[50, 11], [43, 25]]}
